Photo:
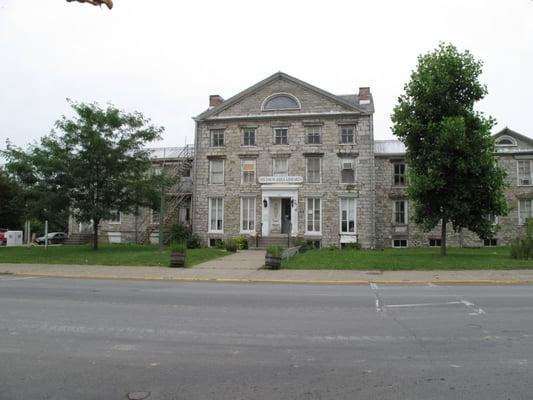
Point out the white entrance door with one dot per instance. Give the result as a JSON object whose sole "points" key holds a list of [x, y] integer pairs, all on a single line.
{"points": [[275, 214]]}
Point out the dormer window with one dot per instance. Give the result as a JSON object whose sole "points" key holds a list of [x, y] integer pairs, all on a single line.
{"points": [[281, 101], [505, 141]]}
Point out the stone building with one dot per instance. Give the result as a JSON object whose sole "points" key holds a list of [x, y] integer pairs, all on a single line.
{"points": [[285, 158], [143, 226]]}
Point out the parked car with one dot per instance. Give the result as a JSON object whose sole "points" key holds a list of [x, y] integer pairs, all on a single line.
{"points": [[53, 238], [3, 237]]}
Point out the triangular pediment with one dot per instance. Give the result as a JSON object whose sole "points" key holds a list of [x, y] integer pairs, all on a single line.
{"points": [[509, 140], [309, 98]]}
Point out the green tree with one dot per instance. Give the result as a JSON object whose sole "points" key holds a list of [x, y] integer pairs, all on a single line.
{"points": [[11, 194], [94, 164], [454, 176]]}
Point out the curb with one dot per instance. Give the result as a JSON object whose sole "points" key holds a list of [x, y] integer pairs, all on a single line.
{"points": [[286, 281]]}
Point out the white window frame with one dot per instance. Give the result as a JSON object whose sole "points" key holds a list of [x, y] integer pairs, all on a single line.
{"points": [[316, 129], [274, 161], [251, 213], [436, 245], [520, 221], [116, 222], [341, 127], [210, 211], [347, 221], [405, 212], [319, 169], [314, 231], [343, 160], [519, 183], [280, 128], [212, 133], [211, 171], [394, 174], [244, 130], [252, 162], [400, 247], [490, 244]]}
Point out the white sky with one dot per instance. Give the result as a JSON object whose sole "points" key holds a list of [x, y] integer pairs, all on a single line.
{"points": [[165, 57]]}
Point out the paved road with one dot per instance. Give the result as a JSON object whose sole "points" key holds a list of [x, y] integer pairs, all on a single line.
{"points": [[99, 339]]}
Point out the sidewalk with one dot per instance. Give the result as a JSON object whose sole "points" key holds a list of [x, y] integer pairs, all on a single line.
{"points": [[244, 267]]}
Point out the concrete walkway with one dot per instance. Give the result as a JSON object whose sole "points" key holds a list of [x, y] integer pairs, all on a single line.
{"points": [[244, 267]]}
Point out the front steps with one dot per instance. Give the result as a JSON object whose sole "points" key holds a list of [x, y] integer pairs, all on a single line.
{"points": [[79, 238], [264, 242]]}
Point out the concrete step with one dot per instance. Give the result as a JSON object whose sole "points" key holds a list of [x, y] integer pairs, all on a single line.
{"points": [[79, 238]]}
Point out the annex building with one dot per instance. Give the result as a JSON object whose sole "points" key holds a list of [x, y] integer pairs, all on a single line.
{"points": [[285, 158]]}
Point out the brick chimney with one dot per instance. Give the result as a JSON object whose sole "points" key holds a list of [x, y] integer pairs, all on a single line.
{"points": [[364, 95], [215, 100]]}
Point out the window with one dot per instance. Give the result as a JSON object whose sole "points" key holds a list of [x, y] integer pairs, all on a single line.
{"points": [[312, 135], [524, 210], [400, 212], [524, 173], [280, 166], [186, 171], [347, 134], [217, 137], [490, 242], [505, 141], [154, 217], [248, 172], [247, 214], [398, 174], [281, 136], [399, 243], [281, 102], [347, 170], [216, 172], [313, 169], [313, 215], [434, 242], [115, 217], [216, 214], [347, 216], [493, 219], [248, 137]]}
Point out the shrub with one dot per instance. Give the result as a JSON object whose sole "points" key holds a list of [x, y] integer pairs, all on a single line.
{"points": [[231, 245], [219, 244], [522, 248], [182, 233], [194, 242], [178, 247], [274, 250], [242, 242]]}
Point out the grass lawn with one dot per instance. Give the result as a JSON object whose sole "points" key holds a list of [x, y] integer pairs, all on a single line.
{"points": [[406, 259], [108, 254]]}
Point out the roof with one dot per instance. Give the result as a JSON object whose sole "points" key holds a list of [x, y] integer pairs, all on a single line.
{"points": [[389, 147], [164, 153], [510, 132], [348, 102], [354, 99]]}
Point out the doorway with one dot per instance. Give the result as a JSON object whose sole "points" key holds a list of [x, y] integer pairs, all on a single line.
{"points": [[285, 215]]}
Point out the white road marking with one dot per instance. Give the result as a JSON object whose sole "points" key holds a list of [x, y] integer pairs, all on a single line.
{"points": [[475, 310], [431, 284], [422, 304], [18, 279], [373, 286]]}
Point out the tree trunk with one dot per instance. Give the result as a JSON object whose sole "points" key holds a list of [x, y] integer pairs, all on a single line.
{"points": [[95, 234], [443, 238]]}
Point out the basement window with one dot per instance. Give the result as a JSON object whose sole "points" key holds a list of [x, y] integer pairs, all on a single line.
{"points": [[490, 242], [399, 243], [434, 242]]}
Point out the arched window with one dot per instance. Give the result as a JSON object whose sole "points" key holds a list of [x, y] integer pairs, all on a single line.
{"points": [[281, 101], [505, 141]]}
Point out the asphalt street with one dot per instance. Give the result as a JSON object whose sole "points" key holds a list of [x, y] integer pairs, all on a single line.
{"points": [[109, 339]]}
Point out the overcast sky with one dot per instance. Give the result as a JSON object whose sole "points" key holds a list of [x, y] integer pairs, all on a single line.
{"points": [[165, 57]]}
